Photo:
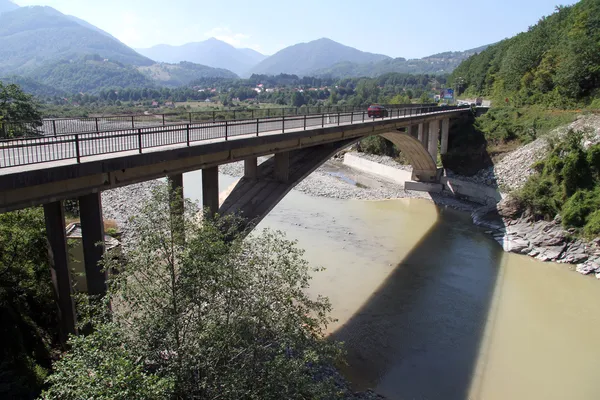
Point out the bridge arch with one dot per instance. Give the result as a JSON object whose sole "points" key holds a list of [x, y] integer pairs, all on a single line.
{"points": [[253, 197], [424, 166]]}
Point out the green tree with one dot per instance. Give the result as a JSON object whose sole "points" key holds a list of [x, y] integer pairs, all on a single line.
{"points": [[209, 314], [17, 107], [27, 310]]}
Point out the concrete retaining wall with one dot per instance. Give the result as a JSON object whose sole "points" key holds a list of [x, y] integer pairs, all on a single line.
{"points": [[460, 188], [471, 191], [394, 174]]}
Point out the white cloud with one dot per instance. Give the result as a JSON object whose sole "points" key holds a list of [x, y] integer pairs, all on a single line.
{"points": [[225, 34]]}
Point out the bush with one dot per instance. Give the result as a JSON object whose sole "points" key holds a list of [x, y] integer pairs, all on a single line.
{"points": [[100, 367], [592, 227], [202, 312], [540, 196], [27, 307], [579, 206]]}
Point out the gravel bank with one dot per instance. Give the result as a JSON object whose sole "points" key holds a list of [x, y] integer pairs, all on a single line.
{"points": [[335, 180]]}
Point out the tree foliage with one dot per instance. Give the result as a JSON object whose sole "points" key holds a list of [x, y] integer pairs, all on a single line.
{"points": [[555, 63], [17, 107], [566, 182], [201, 312], [27, 312]]}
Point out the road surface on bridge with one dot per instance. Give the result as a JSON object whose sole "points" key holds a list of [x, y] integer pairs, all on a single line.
{"points": [[36, 153]]}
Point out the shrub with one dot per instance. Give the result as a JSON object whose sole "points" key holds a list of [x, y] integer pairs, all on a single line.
{"points": [[592, 227], [206, 314], [577, 208], [540, 197]]}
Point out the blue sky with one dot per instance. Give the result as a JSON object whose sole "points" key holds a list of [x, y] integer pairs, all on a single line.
{"points": [[399, 28]]}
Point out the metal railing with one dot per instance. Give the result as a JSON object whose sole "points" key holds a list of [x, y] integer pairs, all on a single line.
{"points": [[63, 126], [24, 151]]}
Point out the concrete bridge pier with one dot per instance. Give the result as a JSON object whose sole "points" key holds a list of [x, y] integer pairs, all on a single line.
{"points": [[92, 229], [445, 133], [54, 216], [210, 190], [282, 166], [251, 168], [434, 136], [421, 133]]}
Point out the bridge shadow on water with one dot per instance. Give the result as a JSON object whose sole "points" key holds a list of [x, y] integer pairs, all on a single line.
{"points": [[420, 335]]}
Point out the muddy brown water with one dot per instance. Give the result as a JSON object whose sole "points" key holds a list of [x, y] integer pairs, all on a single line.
{"points": [[430, 307]]}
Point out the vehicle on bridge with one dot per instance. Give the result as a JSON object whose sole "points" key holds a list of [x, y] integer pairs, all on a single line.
{"points": [[377, 111]]}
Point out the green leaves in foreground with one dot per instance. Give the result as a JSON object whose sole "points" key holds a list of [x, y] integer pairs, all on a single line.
{"points": [[200, 312]]}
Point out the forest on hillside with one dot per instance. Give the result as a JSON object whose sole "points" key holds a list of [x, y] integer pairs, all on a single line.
{"points": [[555, 63]]}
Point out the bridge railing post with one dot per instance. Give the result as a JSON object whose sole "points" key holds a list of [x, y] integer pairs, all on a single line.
{"points": [[54, 126], [140, 140], [97, 130], [283, 124], [339, 118], [322, 120], [226, 129], [132, 123], [187, 133], [77, 148], [351, 117], [304, 121], [257, 126], [363, 116], [163, 119]]}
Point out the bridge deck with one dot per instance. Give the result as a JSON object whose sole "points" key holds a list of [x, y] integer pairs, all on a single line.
{"points": [[23, 154], [54, 168]]}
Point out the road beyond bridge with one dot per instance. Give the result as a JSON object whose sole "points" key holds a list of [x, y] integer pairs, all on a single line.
{"points": [[47, 170]]}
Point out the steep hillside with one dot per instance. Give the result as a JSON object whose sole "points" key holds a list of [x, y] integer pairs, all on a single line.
{"points": [[183, 73], [30, 85], [556, 62], [306, 58], [7, 5], [442, 63], [212, 52], [31, 36], [88, 74]]}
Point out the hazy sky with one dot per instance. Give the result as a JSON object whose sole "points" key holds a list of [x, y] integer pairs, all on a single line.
{"points": [[398, 28]]}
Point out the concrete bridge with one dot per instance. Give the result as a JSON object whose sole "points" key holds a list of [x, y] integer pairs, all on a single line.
{"points": [[45, 171]]}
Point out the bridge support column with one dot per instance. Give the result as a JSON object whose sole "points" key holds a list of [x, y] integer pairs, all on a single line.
{"points": [[445, 133], [210, 189], [282, 166], [421, 134], [61, 278], [251, 168], [92, 232], [434, 136]]}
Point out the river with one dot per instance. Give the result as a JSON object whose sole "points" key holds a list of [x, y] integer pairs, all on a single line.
{"points": [[430, 307]]}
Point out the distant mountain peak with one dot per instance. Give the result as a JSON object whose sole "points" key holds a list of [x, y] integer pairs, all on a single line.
{"points": [[211, 52], [305, 58], [7, 6]]}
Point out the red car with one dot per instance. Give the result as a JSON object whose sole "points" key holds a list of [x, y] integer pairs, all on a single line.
{"points": [[377, 111]]}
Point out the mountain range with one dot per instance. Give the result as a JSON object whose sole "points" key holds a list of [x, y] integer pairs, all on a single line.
{"points": [[44, 45], [212, 52]]}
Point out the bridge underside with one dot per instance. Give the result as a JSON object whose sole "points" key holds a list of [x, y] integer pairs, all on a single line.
{"points": [[254, 197]]}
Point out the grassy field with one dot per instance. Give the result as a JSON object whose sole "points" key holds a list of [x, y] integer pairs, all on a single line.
{"points": [[203, 106]]}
